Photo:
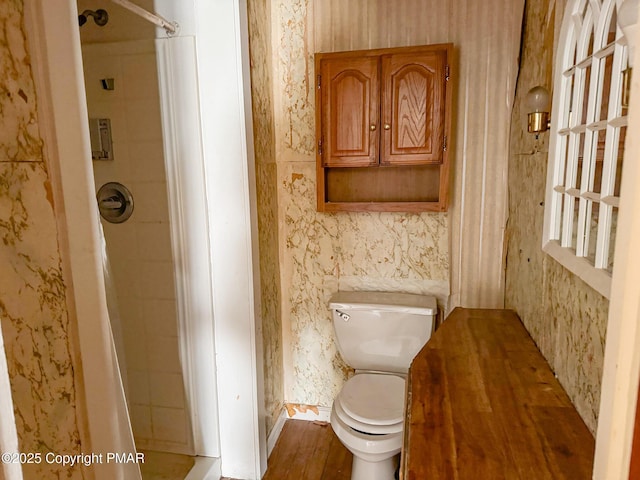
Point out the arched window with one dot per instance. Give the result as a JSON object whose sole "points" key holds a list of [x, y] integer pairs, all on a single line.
{"points": [[588, 128]]}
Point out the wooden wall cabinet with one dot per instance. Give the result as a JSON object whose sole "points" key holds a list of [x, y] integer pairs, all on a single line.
{"points": [[383, 120]]}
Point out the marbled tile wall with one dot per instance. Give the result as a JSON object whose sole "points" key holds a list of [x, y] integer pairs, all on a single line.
{"points": [[566, 318], [261, 90], [33, 308]]}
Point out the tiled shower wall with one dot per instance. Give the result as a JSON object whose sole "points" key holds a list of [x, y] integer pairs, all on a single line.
{"points": [[139, 250], [566, 318]]}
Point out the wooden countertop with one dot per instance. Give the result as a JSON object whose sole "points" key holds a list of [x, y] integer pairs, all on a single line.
{"points": [[482, 403]]}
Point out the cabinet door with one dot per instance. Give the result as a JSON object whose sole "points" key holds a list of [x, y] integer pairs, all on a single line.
{"points": [[349, 111], [413, 108]]}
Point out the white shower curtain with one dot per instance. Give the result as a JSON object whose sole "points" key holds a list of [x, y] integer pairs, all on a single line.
{"points": [[114, 314]]}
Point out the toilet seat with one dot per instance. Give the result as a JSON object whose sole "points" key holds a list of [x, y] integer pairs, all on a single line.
{"points": [[364, 428], [372, 403]]}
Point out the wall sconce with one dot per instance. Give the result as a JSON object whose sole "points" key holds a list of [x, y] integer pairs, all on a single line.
{"points": [[538, 102], [628, 21]]}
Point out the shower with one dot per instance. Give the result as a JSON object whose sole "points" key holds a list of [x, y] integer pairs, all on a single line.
{"points": [[146, 327], [100, 16], [210, 250]]}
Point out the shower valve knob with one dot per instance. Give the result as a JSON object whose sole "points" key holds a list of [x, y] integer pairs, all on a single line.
{"points": [[115, 202]]}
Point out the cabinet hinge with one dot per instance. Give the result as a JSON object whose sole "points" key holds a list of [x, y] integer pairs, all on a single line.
{"points": [[320, 147], [444, 144], [319, 79], [446, 73]]}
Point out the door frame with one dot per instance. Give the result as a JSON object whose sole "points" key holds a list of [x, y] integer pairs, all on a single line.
{"points": [[621, 369], [228, 166], [54, 46]]}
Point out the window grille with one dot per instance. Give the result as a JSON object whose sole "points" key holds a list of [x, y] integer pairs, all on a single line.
{"points": [[588, 129]]}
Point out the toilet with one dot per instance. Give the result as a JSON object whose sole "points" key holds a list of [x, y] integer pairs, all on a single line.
{"points": [[378, 334]]}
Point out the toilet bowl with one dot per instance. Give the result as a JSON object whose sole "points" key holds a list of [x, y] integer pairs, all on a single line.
{"points": [[370, 424], [378, 334]]}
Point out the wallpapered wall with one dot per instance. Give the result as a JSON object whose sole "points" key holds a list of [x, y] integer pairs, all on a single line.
{"points": [[33, 308], [306, 256], [318, 253], [267, 184], [566, 318]]}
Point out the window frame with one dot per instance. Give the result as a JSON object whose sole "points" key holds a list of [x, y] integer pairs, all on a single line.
{"points": [[569, 129]]}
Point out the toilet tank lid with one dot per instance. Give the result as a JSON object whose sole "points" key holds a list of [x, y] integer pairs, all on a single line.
{"points": [[387, 301]]}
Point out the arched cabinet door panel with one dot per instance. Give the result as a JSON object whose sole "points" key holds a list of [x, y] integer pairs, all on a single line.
{"points": [[382, 122], [350, 112], [413, 108]]}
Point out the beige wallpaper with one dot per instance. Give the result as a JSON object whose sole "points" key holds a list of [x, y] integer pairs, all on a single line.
{"points": [[33, 307], [486, 38], [322, 253], [261, 91], [565, 317], [319, 254]]}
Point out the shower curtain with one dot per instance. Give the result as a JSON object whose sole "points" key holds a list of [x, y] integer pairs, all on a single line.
{"points": [[117, 337]]}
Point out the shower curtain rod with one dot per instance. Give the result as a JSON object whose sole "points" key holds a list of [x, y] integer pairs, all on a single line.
{"points": [[170, 28]]}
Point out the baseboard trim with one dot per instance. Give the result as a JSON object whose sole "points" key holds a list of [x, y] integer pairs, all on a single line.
{"points": [[296, 411], [276, 431]]}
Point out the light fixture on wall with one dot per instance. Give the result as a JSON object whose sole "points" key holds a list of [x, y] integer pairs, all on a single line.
{"points": [[628, 21], [538, 102]]}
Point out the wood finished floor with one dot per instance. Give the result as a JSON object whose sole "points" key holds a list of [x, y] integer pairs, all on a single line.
{"points": [[308, 451]]}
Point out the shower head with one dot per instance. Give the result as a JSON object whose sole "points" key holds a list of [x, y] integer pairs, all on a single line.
{"points": [[100, 16]]}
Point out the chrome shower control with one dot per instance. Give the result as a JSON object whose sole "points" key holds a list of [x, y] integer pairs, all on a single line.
{"points": [[115, 202]]}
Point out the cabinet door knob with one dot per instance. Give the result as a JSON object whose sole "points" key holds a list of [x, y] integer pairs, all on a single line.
{"points": [[387, 126], [372, 127]]}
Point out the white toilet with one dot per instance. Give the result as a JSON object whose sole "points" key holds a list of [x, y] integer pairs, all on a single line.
{"points": [[378, 334]]}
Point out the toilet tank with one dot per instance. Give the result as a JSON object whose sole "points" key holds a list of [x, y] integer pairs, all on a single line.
{"points": [[382, 331]]}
